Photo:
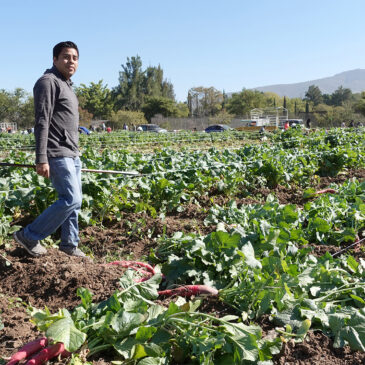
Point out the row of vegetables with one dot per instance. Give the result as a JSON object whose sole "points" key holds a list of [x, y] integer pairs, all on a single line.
{"points": [[260, 257], [167, 179], [260, 261]]}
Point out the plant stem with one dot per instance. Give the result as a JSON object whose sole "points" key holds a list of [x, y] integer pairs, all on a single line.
{"points": [[98, 349], [6, 259]]}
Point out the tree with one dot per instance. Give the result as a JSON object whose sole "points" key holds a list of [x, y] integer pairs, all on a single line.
{"points": [[121, 117], [272, 99], [155, 85], [26, 113], [295, 105], [17, 107], [360, 104], [306, 107], [242, 103], [85, 116], [222, 117], [332, 116], [183, 110], [326, 99], [129, 93], [314, 95], [340, 96], [164, 106], [204, 101], [96, 99], [135, 84]]}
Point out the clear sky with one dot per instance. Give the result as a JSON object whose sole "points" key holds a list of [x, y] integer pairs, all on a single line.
{"points": [[230, 45]]}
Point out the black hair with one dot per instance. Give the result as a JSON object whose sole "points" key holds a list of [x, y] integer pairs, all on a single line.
{"points": [[57, 49]]}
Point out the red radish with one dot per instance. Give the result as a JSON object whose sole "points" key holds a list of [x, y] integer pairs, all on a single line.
{"points": [[27, 350], [145, 278], [65, 354], [145, 274], [330, 191], [141, 271], [132, 264], [47, 354], [189, 290]]}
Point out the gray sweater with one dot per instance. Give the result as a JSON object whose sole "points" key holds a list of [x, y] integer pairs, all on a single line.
{"points": [[56, 117]]}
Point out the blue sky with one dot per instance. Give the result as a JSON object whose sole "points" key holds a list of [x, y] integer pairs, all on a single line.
{"points": [[229, 45]]}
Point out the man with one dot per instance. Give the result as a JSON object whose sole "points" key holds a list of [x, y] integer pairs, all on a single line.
{"points": [[57, 154]]}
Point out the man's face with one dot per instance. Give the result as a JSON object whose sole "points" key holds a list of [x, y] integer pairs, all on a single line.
{"points": [[67, 62]]}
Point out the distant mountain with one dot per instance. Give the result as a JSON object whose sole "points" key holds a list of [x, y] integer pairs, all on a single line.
{"points": [[353, 80]]}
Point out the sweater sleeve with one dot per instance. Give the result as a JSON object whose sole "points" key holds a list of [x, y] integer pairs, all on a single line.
{"points": [[44, 92]]}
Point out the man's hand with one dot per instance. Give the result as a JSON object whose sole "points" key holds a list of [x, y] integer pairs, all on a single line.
{"points": [[42, 169]]}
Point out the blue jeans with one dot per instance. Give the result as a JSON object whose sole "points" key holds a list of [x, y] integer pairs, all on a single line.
{"points": [[65, 174]]}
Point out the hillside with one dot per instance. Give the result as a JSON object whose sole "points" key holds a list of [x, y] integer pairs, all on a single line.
{"points": [[353, 79]]}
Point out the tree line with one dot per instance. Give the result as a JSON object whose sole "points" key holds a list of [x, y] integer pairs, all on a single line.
{"points": [[142, 93]]}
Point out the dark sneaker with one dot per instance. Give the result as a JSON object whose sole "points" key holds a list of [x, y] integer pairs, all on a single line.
{"points": [[72, 251], [33, 247]]}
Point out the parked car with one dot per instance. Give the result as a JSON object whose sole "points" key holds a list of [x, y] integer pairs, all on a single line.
{"points": [[218, 128], [151, 128]]}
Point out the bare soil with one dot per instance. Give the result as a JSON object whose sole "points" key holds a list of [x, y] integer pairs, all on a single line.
{"points": [[52, 280]]}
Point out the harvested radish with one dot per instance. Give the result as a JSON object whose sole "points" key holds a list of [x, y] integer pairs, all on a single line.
{"points": [[146, 276], [65, 354], [133, 264], [189, 290], [27, 350], [47, 354], [330, 191]]}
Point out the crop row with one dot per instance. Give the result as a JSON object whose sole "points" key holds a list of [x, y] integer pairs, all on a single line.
{"points": [[259, 260], [259, 257], [169, 178]]}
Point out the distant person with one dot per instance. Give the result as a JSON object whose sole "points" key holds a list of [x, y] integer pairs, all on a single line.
{"points": [[103, 126], [343, 124], [108, 130], [286, 125], [308, 123], [351, 124]]}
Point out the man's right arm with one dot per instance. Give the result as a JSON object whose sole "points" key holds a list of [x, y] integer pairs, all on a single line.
{"points": [[42, 169], [44, 101]]}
